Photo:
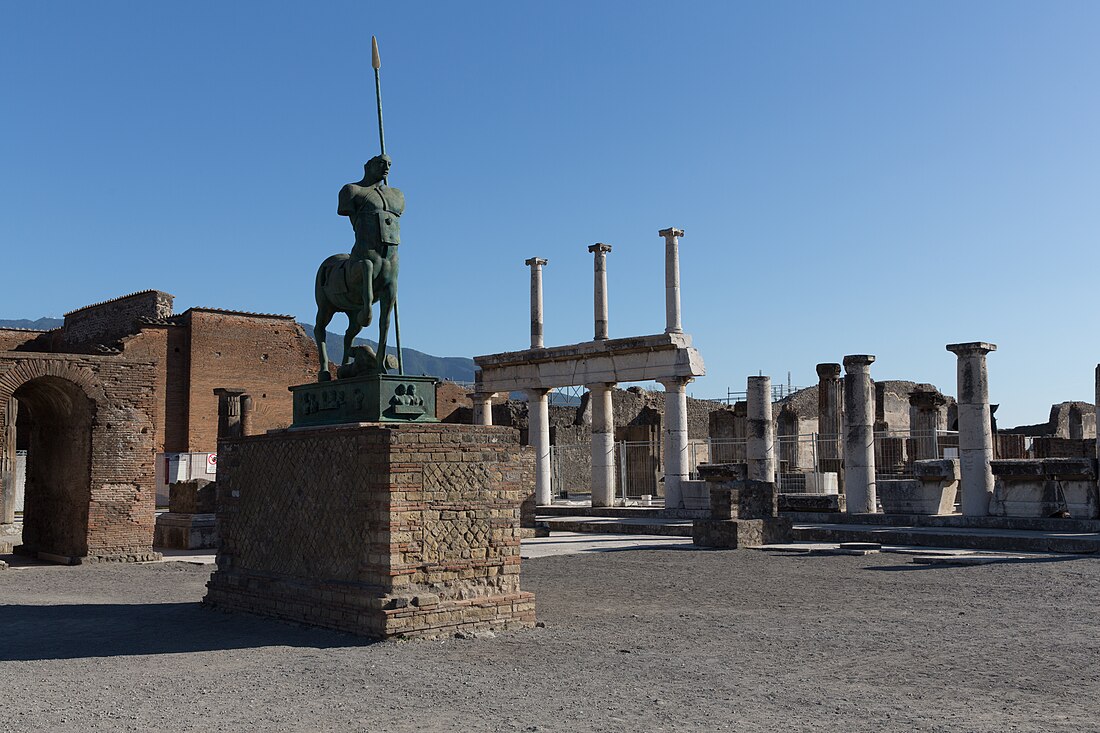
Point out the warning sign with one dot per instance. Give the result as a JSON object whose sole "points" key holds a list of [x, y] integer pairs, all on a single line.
{"points": [[211, 462]]}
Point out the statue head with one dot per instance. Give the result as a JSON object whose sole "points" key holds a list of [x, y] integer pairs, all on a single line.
{"points": [[377, 167]]}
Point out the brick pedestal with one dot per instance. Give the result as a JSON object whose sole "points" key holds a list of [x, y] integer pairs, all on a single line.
{"points": [[381, 530]]}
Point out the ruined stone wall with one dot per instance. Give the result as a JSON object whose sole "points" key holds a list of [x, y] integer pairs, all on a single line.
{"points": [[413, 529], [90, 486], [13, 338], [261, 354], [451, 397], [107, 322]]}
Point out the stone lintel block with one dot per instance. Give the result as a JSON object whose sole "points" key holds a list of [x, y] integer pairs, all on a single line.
{"points": [[972, 348], [1027, 469], [913, 496], [831, 503], [937, 469], [720, 472]]}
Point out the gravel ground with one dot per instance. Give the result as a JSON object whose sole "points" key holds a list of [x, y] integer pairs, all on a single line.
{"points": [[635, 640]]}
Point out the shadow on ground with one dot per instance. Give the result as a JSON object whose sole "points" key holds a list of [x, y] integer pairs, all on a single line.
{"points": [[78, 631]]}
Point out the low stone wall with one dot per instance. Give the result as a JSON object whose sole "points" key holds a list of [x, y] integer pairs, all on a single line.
{"points": [[380, 530]]}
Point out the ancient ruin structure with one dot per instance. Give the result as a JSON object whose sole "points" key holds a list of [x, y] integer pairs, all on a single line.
{"points": [[600, 364], [101, 402]]}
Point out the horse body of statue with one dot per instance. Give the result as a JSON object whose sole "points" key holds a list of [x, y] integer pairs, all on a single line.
{"points": [[352, 284]]}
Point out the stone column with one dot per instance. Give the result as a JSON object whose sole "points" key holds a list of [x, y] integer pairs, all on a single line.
{"points": [[603, 444], [676, 439], [483, 407], [859, 434], [536, 264], [761, 430], [924, 421], [975, 429], [1098, 416], [7, 462], [600, 298], [830, 417], [246, 414], [229, 412], [538, 437], [672, 279]]}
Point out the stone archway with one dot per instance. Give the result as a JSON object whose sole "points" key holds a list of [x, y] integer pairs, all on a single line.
{"points": [[89, 487], [59, 466]]}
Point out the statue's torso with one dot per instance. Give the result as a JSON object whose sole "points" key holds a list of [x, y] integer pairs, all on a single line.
{"points": [[375, 214]]}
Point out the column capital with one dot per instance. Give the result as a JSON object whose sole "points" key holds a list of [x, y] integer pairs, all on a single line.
{"points": [[536, 261], [674, 383], [858, 360], [600, 385], [481, 395], [759, 380], [972, 348], [230, 391], [670, 232], [828, 370], [599, 247], [537, 392]]}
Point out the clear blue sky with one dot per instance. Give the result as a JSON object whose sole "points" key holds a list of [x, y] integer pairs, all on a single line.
{"points": [[853, 177]]}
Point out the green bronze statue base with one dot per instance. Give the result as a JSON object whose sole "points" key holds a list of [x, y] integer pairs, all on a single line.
{"points": [[373, 398]]}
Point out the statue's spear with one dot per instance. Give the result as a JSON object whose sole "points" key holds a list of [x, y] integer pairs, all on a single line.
{"points": [[376, 62]]}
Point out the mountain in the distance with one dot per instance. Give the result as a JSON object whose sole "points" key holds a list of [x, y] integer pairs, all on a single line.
{"points": [[42, 324], [454, 368]]}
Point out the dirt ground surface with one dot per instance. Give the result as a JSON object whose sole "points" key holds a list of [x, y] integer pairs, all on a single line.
{"points": [[635, 640]]}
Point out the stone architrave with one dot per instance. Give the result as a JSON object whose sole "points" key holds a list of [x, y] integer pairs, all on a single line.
{"points": [[676, 440], [538, 437], [600, 251], [603, 444], [975, 428], [761, 430], [536, 264], [1098, 403], [859, 434], [672, 278]]}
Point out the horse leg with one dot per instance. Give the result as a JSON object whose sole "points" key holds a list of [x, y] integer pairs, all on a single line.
{"points": [[325, 312], [366, 315], [385, 307], [349, 336]]}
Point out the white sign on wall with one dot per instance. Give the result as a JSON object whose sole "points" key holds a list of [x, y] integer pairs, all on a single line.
{"points": [[211, 462]]}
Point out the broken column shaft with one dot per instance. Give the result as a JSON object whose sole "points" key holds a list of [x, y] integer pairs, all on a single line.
{"points": [[760, 446]]}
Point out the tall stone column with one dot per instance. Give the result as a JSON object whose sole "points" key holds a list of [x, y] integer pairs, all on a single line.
{"points": [[229, 412], [676, 439], [859, 434], [830, 417], [7, 462], [536, 264], [975, 428], [603, 444], [1098, 417], [924, 421], [672, 279], [761, 431], [538, 437], [483, 407], [600, 250]]}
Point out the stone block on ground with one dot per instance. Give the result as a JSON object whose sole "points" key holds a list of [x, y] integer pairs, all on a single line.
{"points": [[735, 533], [1046, 487], [830, 503], [915, 496], [185, 531]]}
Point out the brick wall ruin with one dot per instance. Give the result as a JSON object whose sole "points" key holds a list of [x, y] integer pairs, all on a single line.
{"points": [[89, 490], [104, 323]]}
